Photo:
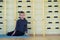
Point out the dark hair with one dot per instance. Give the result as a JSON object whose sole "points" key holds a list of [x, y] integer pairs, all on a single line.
{"points": [[21, 12]]}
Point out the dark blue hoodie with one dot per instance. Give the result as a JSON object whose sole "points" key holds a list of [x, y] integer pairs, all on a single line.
{"points": [[21, 25]]}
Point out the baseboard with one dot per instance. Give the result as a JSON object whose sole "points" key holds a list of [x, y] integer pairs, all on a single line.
{"points": [[45, 34]]}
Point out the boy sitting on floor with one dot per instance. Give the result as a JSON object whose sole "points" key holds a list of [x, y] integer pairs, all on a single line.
{"points": [[21, 26]]}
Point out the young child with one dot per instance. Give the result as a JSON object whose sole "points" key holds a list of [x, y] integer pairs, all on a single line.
{"points": [[21, 26]]}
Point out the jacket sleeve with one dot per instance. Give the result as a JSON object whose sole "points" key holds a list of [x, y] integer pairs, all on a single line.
{"points": [[26, 29], [17, 24]]}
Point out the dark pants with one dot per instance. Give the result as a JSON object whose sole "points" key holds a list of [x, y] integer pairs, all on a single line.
{"points": [[17, 33]]}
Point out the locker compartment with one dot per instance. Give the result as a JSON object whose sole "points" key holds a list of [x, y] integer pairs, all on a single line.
{"points": [[55, 16], [1, 0], [49, 0], [29, 25], [48, 27], [55, 1], [0, 11], [30, 31], [28, 17], [1, 6], [29, 22], [53, 31], [27, 11], [55, 5], [28, 14], [57, 22], [22, 4], [28, 1], [25, 4], [49, 5], [28, 6], [1, 17], [49, 11], [0, 28], [20, 12], [1, 22], [20, 9], [57, 28], [56, 11], [48, 16], [19, 6], [19, 0], [24, 9], [50, 22], [29, 28]]}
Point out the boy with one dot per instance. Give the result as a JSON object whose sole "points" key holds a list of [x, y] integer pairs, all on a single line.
{"points": [[21, 26]]}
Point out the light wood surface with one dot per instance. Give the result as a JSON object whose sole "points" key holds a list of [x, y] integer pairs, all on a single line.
{"points": [[34, 38]]}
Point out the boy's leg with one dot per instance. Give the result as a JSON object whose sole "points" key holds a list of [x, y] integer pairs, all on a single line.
{"points": [[18, 33], [10, 33]]}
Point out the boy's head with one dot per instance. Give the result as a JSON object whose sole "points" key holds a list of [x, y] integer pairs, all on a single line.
{"points": [[22, 14]]}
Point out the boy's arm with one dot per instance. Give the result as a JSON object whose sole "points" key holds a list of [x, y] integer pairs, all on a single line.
{"points": [[26, 29], [13, 32], [16, 25]]}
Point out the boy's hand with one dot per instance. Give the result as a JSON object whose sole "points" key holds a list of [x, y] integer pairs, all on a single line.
{"points": [[26, 33], [13, 33]]}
